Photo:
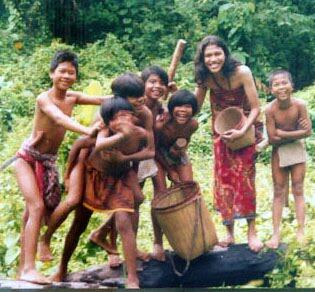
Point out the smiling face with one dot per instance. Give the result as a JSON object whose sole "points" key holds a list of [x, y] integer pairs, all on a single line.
{"points": [[63, 76], [214, 58], [281, 87], [182, 113], [154, 87]]}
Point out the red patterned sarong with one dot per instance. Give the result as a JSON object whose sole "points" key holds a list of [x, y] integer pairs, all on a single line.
{"points": [[234, 171], [46, 174]]}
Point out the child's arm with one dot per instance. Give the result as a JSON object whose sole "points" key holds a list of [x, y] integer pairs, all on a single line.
{"points": [[82, 98], [273, 138], [105, 142], [61, 119], [304, 121], [148, 151]]}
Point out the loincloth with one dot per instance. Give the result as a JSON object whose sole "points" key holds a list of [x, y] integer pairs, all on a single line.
{"points": [[147, 168], [172, 160], [107, 193], [292, 153], [46, 173]]}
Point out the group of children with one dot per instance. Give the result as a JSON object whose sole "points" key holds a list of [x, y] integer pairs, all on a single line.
{"points": [[132, 134]]}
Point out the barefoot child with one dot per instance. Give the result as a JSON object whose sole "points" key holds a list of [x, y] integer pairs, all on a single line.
{"points": [[287, 123], [107, 187], [35, 169], [173, 132], [130, 87]]}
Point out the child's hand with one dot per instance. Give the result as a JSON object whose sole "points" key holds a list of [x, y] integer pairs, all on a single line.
{"points": [[93, 130], [173, 177], [304, 124], [117, 156], [172, 87]]}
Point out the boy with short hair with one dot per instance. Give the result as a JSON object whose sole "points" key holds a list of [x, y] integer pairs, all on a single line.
{"points": [[35, 169], [173, 133], [130, 87], [287, 123], [107, 186]]}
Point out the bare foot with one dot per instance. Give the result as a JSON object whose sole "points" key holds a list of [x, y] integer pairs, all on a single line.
{"points": [[57, 277], [44, 252], [103, 244], [254, 243], [132, 284], [114, 261], [158, 253], [273, 242], [144, 256], [35, 277], [227, 242]]}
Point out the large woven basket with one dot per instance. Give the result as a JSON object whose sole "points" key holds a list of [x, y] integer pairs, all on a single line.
{"points": [[233, 118], [185, 220]]}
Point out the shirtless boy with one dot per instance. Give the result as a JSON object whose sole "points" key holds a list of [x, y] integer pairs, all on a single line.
{"points": [[35, 169], [130, 87], [107, 186], [287, 122], [173, 132]]}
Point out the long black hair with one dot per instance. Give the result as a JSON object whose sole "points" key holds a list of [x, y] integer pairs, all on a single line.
{"points": [[201, 71]]}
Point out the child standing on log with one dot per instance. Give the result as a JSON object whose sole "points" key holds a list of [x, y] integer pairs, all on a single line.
{"points": [[173, 132], [287, 123], [107, 187], [130, 87], [35, 169]]}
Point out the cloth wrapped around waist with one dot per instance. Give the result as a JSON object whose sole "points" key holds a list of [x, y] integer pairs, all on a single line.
{"points": [[46, 173], [292, 153], [107, 193]]}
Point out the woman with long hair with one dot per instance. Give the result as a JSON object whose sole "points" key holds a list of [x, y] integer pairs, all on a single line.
{"points": [[230, 84]]}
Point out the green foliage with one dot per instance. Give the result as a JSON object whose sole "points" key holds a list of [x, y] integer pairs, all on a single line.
{"points": [[107, 58]]}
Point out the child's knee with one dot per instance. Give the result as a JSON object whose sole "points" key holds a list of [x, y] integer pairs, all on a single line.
{"points": [[123, 222], [297, 188], [73, 202], [279, 190], [37, 208]]}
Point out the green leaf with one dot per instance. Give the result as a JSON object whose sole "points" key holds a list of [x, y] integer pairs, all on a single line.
{"points": [[11, 240], [11, 255]]}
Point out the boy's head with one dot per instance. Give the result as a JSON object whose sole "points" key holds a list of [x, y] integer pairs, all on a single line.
{"points": [[116, 107], [182, 105], [131, 87], [64, 56], [156, 82], [281, 84], [64, 69]]}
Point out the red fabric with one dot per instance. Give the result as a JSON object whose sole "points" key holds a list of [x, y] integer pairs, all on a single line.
{"points": [[234, 171], [38, 168]]}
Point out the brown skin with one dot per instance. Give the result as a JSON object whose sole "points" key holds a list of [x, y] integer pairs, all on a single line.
{"points": [[168, 130], [74, 176], [143, 118], [52, 119], [287, 120], [242, 77], [126, 138]]}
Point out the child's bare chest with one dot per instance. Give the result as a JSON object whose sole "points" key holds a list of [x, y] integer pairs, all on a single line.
{"points": [[287, 119]]}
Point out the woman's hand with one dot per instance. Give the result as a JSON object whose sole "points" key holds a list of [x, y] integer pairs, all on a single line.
{"points": [[231, 135]]}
